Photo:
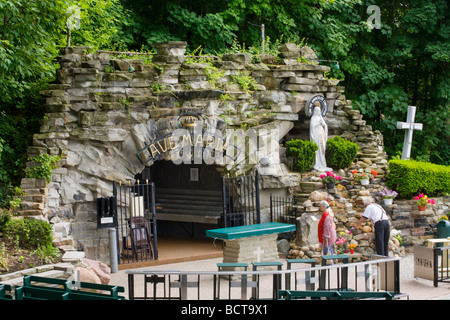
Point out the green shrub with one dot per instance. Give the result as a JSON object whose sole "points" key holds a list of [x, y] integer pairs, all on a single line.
{"points": [[340, 152], [410, 178], [48, 253], [303, 152], [29, 232], [44, 168], [5, 217]]}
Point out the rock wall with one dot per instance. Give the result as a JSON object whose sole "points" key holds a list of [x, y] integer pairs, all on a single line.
{"points": [[102, 111], [409, 226]]}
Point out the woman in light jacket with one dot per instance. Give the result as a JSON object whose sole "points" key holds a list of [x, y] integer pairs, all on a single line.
{"points": [[327, 228]]}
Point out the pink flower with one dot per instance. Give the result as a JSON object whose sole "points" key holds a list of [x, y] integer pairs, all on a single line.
{"points": [[322, 176], [431, 201], [416, 198], [329, 173]]}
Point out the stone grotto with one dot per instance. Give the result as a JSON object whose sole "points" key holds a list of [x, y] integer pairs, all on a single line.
{"points": [[110, 119]]}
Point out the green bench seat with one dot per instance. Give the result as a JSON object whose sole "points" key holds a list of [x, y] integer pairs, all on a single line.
{"points": [[64, 285], [41, 293], [6, 292]]}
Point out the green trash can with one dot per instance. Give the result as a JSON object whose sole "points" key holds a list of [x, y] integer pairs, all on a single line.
{"points": [[443, 231]]}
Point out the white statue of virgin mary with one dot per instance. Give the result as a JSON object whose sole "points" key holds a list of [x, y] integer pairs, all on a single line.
{"points": [[318, 132]]}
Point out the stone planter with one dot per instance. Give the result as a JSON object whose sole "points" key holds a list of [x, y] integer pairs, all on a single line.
{"points": [[330, 185], [365, 182], [388, 202]]}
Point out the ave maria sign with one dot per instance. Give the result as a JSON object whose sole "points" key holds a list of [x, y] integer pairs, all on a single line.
{"points": [[209, 146]]}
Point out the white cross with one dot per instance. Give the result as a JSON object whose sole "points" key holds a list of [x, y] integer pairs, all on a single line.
{"points": [[258, 253], [410, 126]]}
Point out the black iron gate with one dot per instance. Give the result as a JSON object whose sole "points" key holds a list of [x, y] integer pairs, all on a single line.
{"points": [[283, 209], [241, 200], [136, 222]]}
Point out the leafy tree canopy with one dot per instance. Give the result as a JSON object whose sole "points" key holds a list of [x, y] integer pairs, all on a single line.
{"points": [[404, 62]]}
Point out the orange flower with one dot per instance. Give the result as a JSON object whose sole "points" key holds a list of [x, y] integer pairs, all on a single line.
{"points": [[374, 173], [354, 171]]}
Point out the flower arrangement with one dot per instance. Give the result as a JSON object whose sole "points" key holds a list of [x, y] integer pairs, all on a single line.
{"points": [[330, 177], [399, 238], [340, 245], [388, 194], [363, 176], [443, 218], [347, 235], [423, 200], [352, 247]]}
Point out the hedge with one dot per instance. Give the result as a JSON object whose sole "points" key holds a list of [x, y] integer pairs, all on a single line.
{"points": [[303, 152], [409, 178], [340, 152], [30, 233]]}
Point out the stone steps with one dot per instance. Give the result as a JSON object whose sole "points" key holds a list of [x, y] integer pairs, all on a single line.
{"points": [[58, 270]]}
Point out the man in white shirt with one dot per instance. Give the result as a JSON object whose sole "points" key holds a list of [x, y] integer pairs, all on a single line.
{"points": [[380, 221]]}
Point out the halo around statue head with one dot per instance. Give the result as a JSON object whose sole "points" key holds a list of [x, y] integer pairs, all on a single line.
{"points": [[319, 101]]}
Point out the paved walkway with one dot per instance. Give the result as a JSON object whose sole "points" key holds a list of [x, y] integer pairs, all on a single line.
{"points": [[418, 289]]}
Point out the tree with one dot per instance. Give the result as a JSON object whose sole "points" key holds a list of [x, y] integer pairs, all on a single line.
{"points": [[99, 24], [31, 33], [405, 63], [28, 30]]}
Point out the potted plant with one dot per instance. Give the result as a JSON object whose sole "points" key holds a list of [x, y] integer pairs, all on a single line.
{"points": [[364, 178], [422, 200], [388, 196], [329, 179], [352, 247], [340, 245]]}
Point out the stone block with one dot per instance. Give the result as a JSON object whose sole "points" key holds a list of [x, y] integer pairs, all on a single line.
{"points": [[302, 80], [73, 256], [173, 48], [240, 58], [259, 248]]}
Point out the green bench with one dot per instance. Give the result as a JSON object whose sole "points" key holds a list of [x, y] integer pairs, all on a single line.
{"points": [[31, 293], [77, 289], [309, 276], [41, 293], [5, 292], [276, 279], [324, 275], [231, 284], [335, 294]]}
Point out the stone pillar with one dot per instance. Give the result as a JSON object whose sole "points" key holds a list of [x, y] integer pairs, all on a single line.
{"points": [[252, 249]]}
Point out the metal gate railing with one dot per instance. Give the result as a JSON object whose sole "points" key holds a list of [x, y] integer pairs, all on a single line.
{"points": [[241, 204], [283, 209], [136, 222], [373, 276]]}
